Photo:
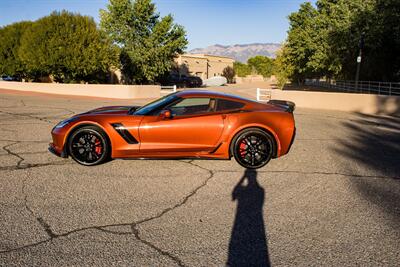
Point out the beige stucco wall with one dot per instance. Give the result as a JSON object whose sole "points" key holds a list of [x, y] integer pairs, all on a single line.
{"points": [[249, 79], [96, 90], [217, 64], [196, 65], [192, 66], [365, 103]]}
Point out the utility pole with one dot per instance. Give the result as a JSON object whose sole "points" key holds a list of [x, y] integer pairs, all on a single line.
{"points": [[361, 47]]}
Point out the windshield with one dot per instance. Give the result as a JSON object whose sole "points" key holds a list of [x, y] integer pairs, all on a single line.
{"points": [[156, 104]]}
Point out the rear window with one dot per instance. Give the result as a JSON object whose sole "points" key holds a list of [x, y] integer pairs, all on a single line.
{"points": [[224, 104]]}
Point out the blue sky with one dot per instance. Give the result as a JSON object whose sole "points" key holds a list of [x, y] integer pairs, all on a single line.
{"points": [[207, 22]]}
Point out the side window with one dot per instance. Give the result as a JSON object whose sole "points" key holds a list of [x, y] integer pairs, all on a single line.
{"points": [[192, 106], [224, 104]]}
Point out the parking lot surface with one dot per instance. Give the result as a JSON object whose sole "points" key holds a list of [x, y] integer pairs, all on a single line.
{"points": [[333, 200]]}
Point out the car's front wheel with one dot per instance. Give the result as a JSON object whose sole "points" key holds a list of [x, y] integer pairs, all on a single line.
{"points": [[89, 146], [253, 148]]}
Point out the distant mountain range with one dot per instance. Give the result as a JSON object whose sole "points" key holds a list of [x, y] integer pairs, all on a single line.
{"points": [[240, 52]]}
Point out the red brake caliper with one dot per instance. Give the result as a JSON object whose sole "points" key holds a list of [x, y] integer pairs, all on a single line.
{"points": [[243, 148], [98, 149]]}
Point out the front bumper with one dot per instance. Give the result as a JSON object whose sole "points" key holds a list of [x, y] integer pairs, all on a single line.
{"points": [[58, 152], [58, 146]]}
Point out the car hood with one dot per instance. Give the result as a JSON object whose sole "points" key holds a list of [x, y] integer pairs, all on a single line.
{"points": [[115, 110]]}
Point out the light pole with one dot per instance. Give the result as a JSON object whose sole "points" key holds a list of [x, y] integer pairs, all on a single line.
{"points": [[360, 46]]}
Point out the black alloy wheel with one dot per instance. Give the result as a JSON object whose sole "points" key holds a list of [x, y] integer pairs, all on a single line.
{"points": [[89, 146], [253, 148]]}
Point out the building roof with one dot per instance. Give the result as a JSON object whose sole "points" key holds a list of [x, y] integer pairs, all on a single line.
{"points": [[206, 56], [192, 56]]}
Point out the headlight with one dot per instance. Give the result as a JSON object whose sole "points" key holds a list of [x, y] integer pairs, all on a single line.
{"points": [[65, 122]]}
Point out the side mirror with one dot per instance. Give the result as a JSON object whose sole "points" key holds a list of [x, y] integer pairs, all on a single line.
{"points": [[166, 114]]}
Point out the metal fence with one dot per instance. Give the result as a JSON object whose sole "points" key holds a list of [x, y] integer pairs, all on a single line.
{"points": [[363, 87], [263, 95]]}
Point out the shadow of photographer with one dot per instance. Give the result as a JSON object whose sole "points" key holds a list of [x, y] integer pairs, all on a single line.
{"points": [[248, 243]]}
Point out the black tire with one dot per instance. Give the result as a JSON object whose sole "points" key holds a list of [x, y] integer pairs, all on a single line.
{"points": [[89, 146], [252, 148]]}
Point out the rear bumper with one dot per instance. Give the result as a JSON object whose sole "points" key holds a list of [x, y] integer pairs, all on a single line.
{"points": [[292, 141]]}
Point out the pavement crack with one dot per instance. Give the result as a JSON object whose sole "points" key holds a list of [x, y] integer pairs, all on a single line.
{"points": [[69, 111], [134, 225], [185, 199], [20, 166], [136, 231], [26, 115], [115, 232], [35, 165], [24, 141], [337, 173], [9, 152], [321, 173], [46, 227]]}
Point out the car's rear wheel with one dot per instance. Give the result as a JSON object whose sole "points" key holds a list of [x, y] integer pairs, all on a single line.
{"points": [[89, 146], [253, 148]]}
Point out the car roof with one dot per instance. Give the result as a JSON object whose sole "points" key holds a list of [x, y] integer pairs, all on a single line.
{"points": [[206, 93]]}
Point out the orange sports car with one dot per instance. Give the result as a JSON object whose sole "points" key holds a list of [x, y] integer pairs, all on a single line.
{"points": [[186, 124]]}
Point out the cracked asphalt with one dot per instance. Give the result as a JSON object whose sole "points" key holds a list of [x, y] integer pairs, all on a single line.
{"points": [[333, 200]]}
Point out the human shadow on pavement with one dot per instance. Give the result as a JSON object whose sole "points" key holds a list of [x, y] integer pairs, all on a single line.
{"points": [[248, 243]]}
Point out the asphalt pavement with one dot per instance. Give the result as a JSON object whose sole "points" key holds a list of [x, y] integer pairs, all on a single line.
{"points": [[334, 200]]}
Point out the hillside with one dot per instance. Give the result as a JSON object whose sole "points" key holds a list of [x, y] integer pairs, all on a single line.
{"points": [[240, 52]]}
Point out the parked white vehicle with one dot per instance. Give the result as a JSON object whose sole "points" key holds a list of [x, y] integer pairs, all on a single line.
{"points": [[215, 81]]}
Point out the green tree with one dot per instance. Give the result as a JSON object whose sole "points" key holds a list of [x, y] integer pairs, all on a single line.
{"points": [[68, 47], [148, 42], [300, 45], [241, 69], [229, 73], [341, 35], [262, 65], [384, 49], [324, 41], [282, 68], [379, 20], [10, 38]]}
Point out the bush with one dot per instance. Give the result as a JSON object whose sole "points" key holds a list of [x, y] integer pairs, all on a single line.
{"points": [[68, 47], [262, 65], [229, 73], [10, 38], [241, 69]]}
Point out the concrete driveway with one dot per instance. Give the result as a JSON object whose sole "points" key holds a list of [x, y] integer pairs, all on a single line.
{"points": [[333, 200]]}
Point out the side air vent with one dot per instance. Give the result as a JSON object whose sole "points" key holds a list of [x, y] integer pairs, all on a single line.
{"points": [[124, 133]]}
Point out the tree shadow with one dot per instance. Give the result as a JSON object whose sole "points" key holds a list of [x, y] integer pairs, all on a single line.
{"points": [[373, 144], [373, 141], [388, 105], [248, 243]]}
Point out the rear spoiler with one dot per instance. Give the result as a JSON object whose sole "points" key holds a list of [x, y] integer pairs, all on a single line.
{"points": [[287, 105]]}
